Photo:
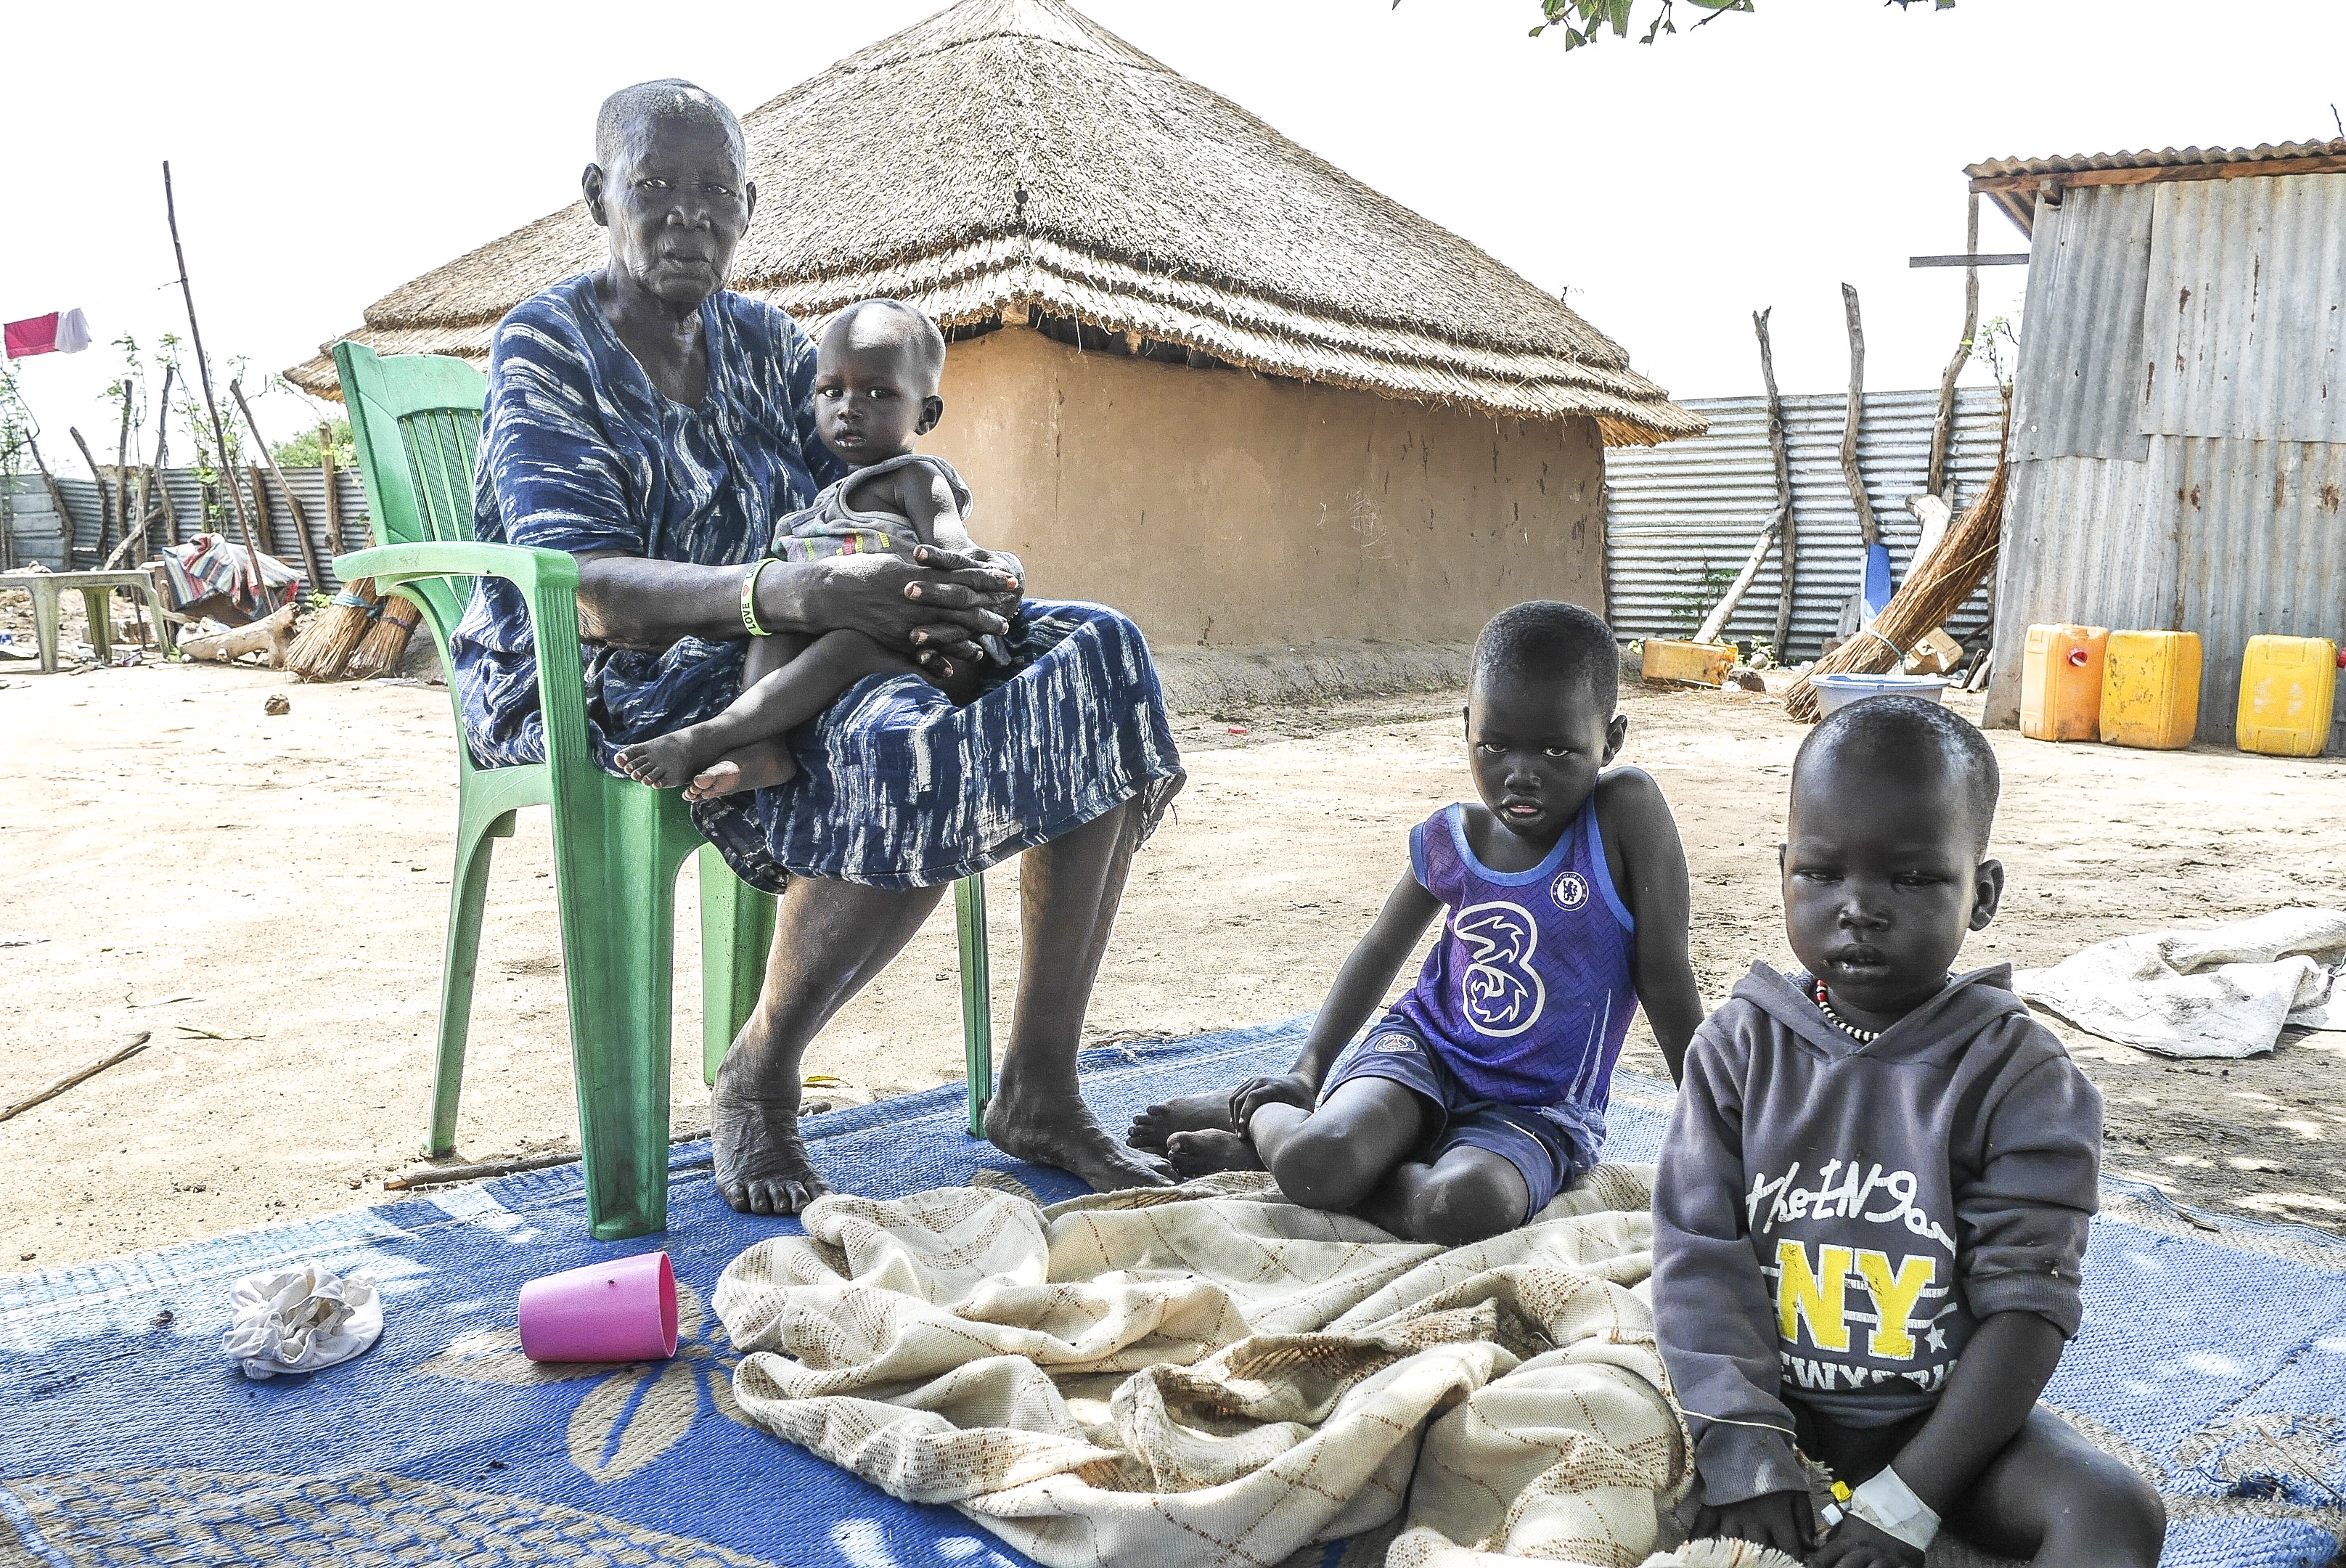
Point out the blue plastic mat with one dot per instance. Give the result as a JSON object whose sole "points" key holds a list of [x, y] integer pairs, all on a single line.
{"points": [[2217, 1360]]}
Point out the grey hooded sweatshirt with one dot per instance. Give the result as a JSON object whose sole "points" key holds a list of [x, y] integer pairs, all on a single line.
{"points": [[1831, 1220]]}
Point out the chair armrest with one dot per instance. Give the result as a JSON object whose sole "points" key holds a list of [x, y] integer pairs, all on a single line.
{"points": [[526, 568]]}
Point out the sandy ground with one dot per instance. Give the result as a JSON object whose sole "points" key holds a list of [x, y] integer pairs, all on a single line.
{"points": [[267, 896]]}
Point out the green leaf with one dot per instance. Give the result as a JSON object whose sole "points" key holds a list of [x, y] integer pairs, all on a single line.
{"points": [[1617, 12]]}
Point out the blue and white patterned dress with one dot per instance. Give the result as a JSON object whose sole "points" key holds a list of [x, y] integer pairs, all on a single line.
{"points": [[897, 788]]}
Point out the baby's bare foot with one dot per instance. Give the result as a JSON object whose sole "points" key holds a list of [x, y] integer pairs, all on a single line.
{"points": [[1204, 1152], [758, 766], [666, 763], [1184, 1114]]}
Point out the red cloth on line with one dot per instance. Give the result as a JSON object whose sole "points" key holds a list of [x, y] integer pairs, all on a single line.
{"points": [[58, 333]]}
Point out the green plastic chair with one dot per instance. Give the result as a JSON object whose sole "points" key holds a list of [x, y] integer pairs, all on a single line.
{"points": [[618, 845]]}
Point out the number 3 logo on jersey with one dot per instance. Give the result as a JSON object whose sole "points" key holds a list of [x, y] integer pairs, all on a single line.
{"points": [[1499, 993]]}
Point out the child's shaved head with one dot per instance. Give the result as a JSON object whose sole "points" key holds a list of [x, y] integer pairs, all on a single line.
{"points": [[1909, 735], [872, 323], [1547, 642]]}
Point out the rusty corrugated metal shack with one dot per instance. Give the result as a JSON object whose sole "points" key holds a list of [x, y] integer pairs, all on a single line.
{"points": [[2178, 437]]}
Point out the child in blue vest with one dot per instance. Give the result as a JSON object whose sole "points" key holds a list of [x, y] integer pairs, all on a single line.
{"points": [[1563, 893]]}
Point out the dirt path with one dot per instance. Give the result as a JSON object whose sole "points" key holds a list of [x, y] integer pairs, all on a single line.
{"points": [[268, 895]]}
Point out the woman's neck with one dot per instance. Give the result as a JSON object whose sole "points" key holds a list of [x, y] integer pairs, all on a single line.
{"points": [[664, 338]]}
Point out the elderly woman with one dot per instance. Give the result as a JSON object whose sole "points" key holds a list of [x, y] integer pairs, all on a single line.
{"points": [[658, 425]]}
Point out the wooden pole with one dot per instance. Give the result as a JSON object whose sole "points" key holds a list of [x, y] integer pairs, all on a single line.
{"points": [[1787, 530], [1942, 424], [301, 521], [204, 375], [1870, 529], [1713, 622], [333, 496], [105, 507]]}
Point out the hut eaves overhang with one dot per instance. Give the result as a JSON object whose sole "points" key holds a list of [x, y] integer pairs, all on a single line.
{"points": [[1011, 161], [2015, 184]]}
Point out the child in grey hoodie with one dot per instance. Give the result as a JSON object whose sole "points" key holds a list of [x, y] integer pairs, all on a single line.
{"points": [[1872, 1202]]}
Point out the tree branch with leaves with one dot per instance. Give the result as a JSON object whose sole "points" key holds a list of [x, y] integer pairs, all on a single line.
{"points": [[1586, 21]]}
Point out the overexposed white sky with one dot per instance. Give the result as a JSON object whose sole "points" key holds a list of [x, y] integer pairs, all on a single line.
{"points": [[324, 156]]}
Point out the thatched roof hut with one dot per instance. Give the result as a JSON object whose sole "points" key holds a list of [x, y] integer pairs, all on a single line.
{"points": [[1011, 159]]}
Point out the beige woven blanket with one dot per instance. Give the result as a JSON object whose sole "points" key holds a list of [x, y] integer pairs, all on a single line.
{"points": [[1207, 1375]]}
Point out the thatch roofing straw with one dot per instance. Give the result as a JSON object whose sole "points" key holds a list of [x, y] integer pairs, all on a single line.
{"points": [[1009, 158]]}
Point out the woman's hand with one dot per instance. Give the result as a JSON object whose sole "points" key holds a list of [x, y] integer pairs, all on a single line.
{"points": [[933, 611], [1286, 1089]]}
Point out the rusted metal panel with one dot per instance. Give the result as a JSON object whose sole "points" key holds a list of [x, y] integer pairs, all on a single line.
{"points": [[1681, 517], [2246, 333], [194, 512], [2074, 391]]}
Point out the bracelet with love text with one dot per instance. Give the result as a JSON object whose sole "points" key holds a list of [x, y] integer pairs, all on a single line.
{"points": [[750, 597]]}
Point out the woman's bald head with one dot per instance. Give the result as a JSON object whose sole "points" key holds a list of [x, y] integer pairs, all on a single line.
{"points": [[629, 116]]}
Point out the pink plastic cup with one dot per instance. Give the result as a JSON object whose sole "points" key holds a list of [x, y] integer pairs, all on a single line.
{"points": [[624, 1310]]}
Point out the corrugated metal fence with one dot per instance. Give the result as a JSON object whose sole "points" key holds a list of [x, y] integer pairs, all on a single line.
{"points": [[36, 534], [1681, 517]]}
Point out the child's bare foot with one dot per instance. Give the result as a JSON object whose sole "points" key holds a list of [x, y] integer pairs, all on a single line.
{"points": [[1204, 1152], [668, 763], [1184, 1114], [758, 767]]}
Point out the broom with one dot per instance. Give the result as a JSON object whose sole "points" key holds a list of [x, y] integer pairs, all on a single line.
{"points": [[326, 643], [1923, 601], [386, 640]]}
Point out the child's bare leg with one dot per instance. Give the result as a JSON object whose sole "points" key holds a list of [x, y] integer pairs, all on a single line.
{"points": [[1330, 1157], [669, 761], [1468, 1195], [2055, 1501], [781, 702]]}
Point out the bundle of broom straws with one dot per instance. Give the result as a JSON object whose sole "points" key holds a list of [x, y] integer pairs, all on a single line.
{"points": [[360, 634]]}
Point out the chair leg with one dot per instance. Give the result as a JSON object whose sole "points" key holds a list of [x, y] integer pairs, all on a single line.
{"points": [[165, 641], [736, 932], [98, 605], [976, 998], [45, 624], [614, 874], [468, 893]]}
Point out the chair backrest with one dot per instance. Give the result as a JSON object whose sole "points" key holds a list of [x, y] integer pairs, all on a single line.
{"points": [[416, 422]]}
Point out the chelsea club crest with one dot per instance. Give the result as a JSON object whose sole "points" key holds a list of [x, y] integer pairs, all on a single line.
{"points": [[1569, 890]]}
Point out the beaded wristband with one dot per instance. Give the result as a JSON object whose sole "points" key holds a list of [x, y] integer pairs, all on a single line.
{"points": [[750, 597]]}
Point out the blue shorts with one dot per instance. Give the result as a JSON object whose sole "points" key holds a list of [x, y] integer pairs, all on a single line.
{"points": [[1550, 1147]]}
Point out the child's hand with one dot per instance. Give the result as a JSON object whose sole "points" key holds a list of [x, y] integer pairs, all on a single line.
{"points": [[1287, 1089], [1854, 1543], [1777, 1519]]}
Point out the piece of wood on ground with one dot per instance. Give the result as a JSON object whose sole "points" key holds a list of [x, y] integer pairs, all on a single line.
{"points": [[270, 635], [69, 1080]]}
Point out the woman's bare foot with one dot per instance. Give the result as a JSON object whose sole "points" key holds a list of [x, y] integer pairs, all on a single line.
{"points": [[1210, 1149], [758, 766], [667, 762], [1059, 1131], [762, 1165], [1182, 1114]]}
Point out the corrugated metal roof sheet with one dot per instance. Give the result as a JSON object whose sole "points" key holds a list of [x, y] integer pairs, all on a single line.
{"points": [[2170, 157], [2246, 329], [1680, 516], [2074, 393]]}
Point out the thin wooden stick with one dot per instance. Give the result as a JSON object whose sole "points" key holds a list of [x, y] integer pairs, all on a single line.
{"points": [[1867, 526], [204, 374], [443, 1176], [1715, 622], [1787, 530], [105, 506], [62, 1084], [1943, 424], [300, 522]]}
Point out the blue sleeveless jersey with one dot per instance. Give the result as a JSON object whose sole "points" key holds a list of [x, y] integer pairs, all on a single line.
{"points": [[1529, 991]]}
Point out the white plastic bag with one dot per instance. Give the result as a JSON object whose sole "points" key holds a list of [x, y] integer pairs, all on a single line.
{"points": [[303, 1318]]}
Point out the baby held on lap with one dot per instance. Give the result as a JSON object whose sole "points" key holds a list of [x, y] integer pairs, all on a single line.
{"points": [[1564, 901], [876, 389]]}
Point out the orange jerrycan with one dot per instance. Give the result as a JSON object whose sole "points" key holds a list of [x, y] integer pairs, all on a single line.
{"points": [[2061, 683], [2288, 685], [2150, 689]]}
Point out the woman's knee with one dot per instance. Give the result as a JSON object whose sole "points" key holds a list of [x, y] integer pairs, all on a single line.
{"points": [[1466, 1200]]}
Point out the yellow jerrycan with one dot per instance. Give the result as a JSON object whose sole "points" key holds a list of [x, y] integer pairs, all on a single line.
{"points": [[2061, 683], [2288, 685], [2150, 689]]}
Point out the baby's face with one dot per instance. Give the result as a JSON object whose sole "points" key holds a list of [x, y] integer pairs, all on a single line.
{"points": [[871, 399]]}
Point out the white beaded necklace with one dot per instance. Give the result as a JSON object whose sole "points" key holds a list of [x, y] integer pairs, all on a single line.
{"points": [[1824, 1004]]}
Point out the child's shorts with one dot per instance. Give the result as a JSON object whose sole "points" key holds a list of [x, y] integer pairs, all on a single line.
{"points": [[1545, 1146]]}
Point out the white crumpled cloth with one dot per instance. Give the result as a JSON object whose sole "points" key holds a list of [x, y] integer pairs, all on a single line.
{"points": [[301, 1319], [2223, 992]]}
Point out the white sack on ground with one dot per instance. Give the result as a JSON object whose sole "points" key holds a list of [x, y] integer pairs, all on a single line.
{"points": [[2222, 993], [1206, 1375], [301, 1320]]}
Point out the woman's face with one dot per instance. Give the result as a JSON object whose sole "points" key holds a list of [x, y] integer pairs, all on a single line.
{"points": [[676, 203]]}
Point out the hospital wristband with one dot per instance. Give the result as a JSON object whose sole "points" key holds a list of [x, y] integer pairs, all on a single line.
{"points": [[1890, 1505], [749, 621]]}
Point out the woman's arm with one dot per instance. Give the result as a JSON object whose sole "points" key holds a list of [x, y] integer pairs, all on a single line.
{"points": [[1650, 874], [635, 602]]}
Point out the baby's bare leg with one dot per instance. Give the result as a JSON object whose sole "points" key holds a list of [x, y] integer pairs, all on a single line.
{"points": [[742, 749], [672, 761]]}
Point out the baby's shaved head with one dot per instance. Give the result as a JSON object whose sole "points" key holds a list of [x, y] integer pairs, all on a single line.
{"points": [[626, 113], [873, 323], [1922, 740]]}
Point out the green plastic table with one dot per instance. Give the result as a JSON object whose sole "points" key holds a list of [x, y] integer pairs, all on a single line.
{"points": [[96, 588]]}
